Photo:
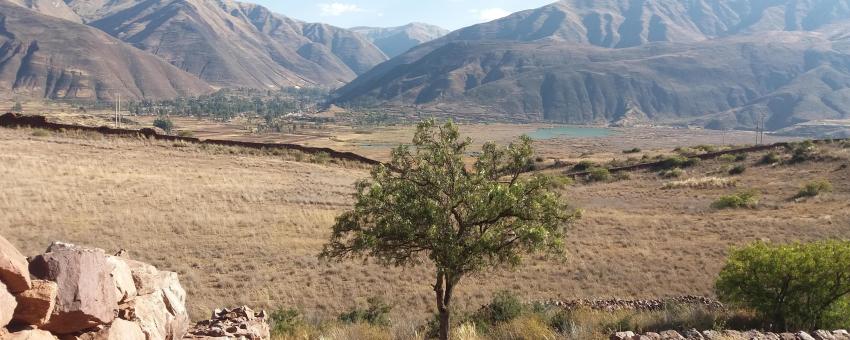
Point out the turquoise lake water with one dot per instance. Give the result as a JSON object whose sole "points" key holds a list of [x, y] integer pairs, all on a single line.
{"points": [[569, 131]]}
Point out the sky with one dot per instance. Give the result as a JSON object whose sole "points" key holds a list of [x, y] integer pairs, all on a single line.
{"points": [[449, 14]]}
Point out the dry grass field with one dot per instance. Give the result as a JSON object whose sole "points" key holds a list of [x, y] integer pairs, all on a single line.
{"points": [[245, 227]]}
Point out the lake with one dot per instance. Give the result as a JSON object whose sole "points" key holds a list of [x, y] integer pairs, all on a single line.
{"points": [[569, 131]]}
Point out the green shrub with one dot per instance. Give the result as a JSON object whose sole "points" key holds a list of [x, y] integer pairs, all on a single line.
{"points": [[741, 157], [672, 173], [770, 158], [633, 150], [584, 166], [285, 321], [376, 313], [743, 199], [503, 308], [791, 287], [598, 175], [560, 182], [815, 188], [163, 123], [728, 158], [706, 148], [738, 169], [803, 151], [321, 157], [677, 162]]}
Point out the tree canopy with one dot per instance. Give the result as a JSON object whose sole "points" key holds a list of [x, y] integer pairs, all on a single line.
{"points": [[427, 204]]}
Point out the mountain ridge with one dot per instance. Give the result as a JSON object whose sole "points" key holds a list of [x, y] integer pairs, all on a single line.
{"points": [[545, 64], [397, 40]]}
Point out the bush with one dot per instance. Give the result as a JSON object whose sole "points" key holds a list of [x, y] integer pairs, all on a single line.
{"points": [[376, 314], [633, 150], [584, 166], [803, 151], [321, 157], [738, 169], [815, 188], [701, 183], [743, 199], [598, 175], [503, 308], [40, 133], [741, 157], [672, 173], [164, 123], [791, 287], [677, 162], [285, 321], [560, 182], [770, 158]]}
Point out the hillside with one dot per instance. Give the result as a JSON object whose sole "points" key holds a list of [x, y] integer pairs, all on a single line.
{"points": [[637, 239], [714, 63], [233, 44], [397, 40], [43, 56]]}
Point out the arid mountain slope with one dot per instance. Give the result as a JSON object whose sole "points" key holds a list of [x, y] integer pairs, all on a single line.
{"points": [[397, 40], [232, 44], [43, 56], [718, 63], [54, 8]]}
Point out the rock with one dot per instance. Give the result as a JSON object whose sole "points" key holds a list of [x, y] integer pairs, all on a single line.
{"points": [[823, 335], [86, 292], [671, 335], [30, 334], [7, 306], [841, 334], [622, 336], [653, 336], [804, 336], [694, 334], [36, 305], [787, 336], [13, 268], [160, 305], [123, 278], [244, 323], [118, 330]]}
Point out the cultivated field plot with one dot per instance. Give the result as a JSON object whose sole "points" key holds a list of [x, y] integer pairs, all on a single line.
{"points": [[244, 227]]}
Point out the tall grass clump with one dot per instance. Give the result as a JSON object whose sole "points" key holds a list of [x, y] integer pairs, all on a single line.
{"points": [[770, 158], [815, 188], [677, 162], [743, 199], [702, 183]]}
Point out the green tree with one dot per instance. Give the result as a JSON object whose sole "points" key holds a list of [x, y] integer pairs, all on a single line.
{"points": [[794, 286], [163, 123], [427, 205], [17, 107]]}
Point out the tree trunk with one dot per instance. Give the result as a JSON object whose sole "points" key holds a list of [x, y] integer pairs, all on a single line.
{"points": [[443, 290]]}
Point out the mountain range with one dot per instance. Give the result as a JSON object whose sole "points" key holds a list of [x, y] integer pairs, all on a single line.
{"points": [[212, 44], [715, 63], [397, 40]]}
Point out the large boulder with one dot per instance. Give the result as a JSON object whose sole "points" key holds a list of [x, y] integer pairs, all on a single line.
{"points": [[36, 305], [30, 334], [7, 306], [86, 294], [118, 330], [160, 307], [13, 268], [123, 278]]}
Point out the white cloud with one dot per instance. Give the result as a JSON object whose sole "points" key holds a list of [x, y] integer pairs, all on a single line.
{"points": [[335, 9], [490, 14]]}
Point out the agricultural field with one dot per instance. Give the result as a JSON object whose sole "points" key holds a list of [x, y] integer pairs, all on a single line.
{"points": [[245, 226]]}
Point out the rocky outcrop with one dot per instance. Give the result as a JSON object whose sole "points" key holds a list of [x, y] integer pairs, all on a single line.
{"points": [[733, 335], [238, 323], [36, 305], [7, 305], [86, 295], [13, 268]]}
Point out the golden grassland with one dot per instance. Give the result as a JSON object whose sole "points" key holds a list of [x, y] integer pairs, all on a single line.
{"points": [[244, 227]]}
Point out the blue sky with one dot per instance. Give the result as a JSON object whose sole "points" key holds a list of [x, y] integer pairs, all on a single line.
{"points": [[450, 14]]}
